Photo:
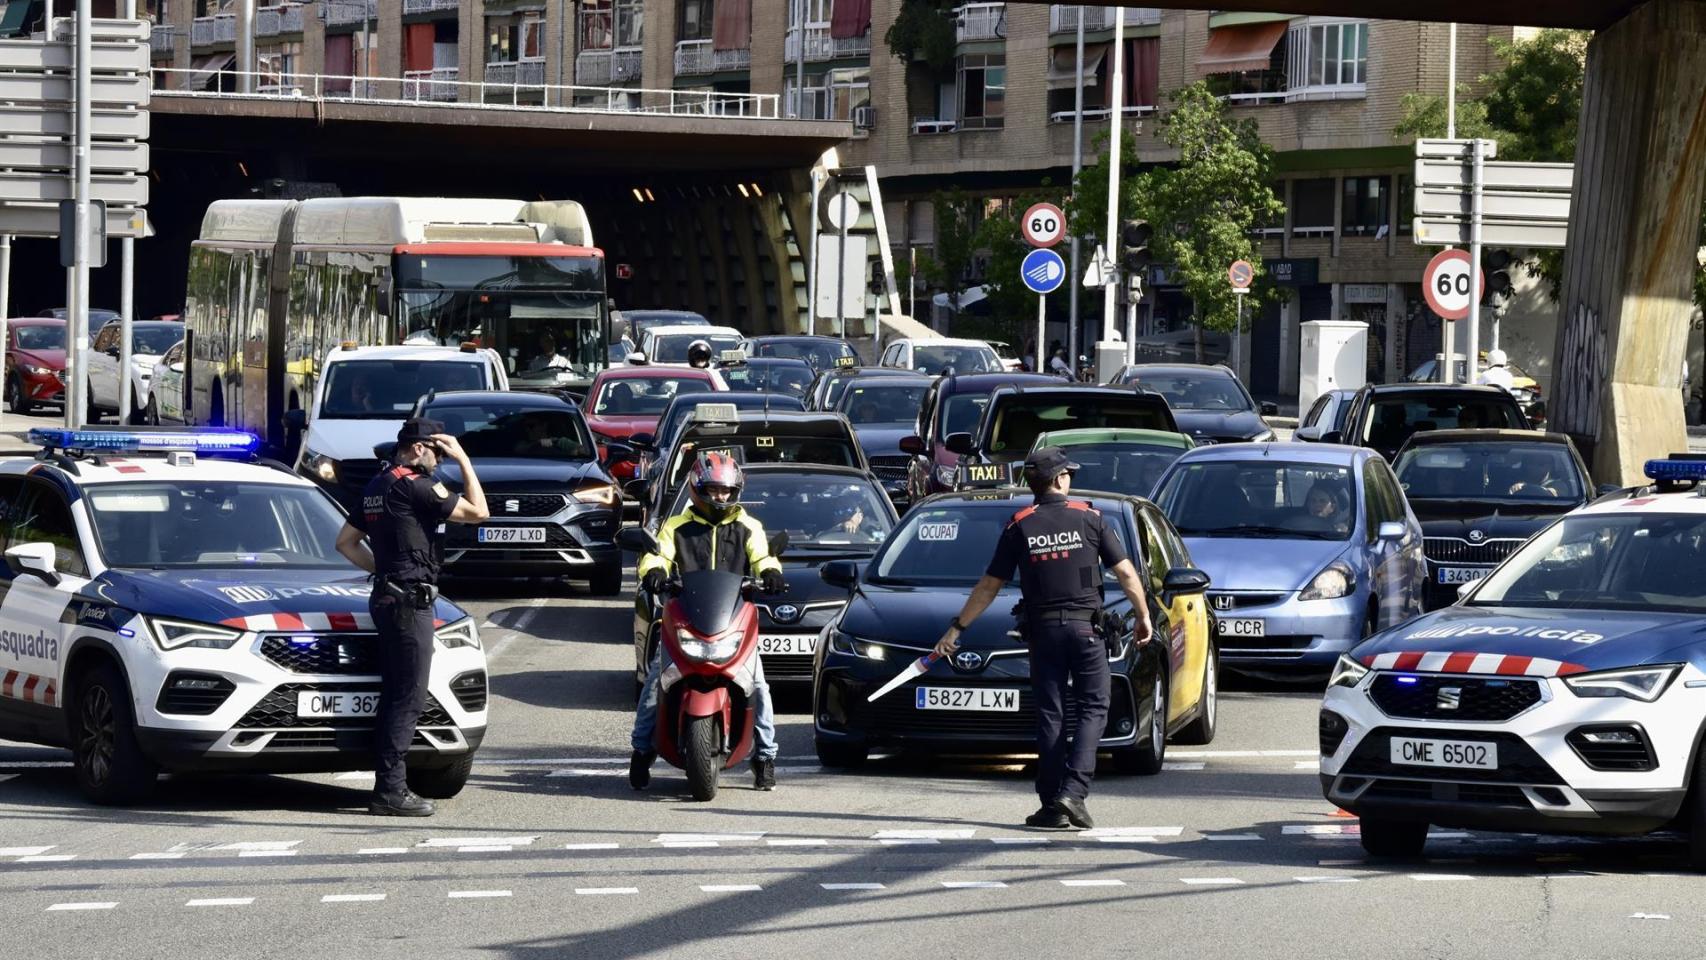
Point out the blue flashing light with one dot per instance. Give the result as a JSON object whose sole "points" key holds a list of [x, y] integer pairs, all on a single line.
{"points": [[147, 441], [1407, 679], [1675, 470]]}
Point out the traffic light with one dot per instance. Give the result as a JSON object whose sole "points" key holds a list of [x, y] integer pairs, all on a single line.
{"points": [[1135, 257], [1495, 267]]}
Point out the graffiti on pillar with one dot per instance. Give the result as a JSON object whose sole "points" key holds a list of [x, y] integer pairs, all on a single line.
{"points": [[1580, 376]]}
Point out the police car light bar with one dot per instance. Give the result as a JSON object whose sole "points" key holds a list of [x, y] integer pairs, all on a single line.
{"points": [[146, 441], [1677, 469]]}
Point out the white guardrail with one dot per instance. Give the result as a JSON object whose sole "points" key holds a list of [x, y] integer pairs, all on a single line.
{"points": [[438, 89]]}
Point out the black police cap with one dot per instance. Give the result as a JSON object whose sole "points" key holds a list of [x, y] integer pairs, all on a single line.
{"points": [[1047, 463], [417, 429]]}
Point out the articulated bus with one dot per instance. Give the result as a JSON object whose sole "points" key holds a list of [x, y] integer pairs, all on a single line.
{"points": [[274, 285]]}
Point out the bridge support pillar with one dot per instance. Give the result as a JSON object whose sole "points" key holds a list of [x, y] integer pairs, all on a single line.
{"points": [[1627, 292]]}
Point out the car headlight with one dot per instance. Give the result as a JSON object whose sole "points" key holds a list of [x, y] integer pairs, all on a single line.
{"points": [[603, 494], [321, 466], [847, 646], [34, 370], [1347, 672], [176, 634], [462, 633], [1645, 684], [1330, 584], [946, 475]]}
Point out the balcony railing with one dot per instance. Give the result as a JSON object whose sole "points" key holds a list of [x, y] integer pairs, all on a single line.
{"points": [[932, 125], [821, 46], [526, 73], [980, 21], [626, 64], [345, 12], [695, 57], [162, 39], [268, 21], [1064, 19], [219, 28], [437, 84], [592, 67], [290, 18], [429, 6], [1099, 114]]}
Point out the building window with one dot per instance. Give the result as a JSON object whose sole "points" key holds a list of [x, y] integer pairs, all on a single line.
{"points": [[515, 37], [1331, 56], [983, 90], [1312, 208], [1367, 207], [848, 88], [1406, 204], [610, 23], [1253, 85], [695, 23]]}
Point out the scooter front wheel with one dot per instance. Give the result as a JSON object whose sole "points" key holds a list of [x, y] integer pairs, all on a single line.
{"points": [[702, 757]]}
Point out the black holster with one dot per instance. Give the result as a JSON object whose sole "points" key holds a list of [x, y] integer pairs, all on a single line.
{"points": [[418, 595]]}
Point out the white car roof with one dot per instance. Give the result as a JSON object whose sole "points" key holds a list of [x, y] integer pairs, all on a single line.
{"points": [[1650, 501], [698, 330], [946, 342], [149, 468], [409, 352]]}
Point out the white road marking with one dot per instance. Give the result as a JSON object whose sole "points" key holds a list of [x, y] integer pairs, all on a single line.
{"points": [[687, 844], [730, 887], [266, 853], [952, 834], [1342, 863], [1212, 881], [355, 775], [1448, 835], [605, 891], [797, 842], [1337, 830], [476, 841], [1093, 883], [486, 848], [909, 842], [550, 761], [587, 772], [24, 851], [373, 851], [742, 837], [258, 845], [1239, 754], [851, 886], [1306, 765], [477, 894], [222, 902], [1643, 916], [1231, 836], [33, 764], [108, 905], [1183, 765], [48, 858], [1016, 841], [1437, 877], [973, 885], [1130, 834], [170, 855], [351, 897], [591, 846], [1325, 879]]}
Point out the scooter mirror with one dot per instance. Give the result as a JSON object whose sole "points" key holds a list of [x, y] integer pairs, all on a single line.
{"points": [[779, 544]]}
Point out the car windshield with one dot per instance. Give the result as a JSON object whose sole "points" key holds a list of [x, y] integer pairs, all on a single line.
{"points": [[1021, 417], [1265, 498], [41, 336], [1392, 421], [962, 412], [673, 348], [1121, 467], [814, 510], [155, 339], [1542, 472], [949, 543], [883, 403], [187, 524], [644, 396], [1196, 391], [388, 389], [789, 378], [964, 359], [773, 448], [673, 419], [1606, 561], [821, 354], [496, 429]]}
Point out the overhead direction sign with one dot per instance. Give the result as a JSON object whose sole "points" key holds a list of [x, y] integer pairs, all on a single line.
{"points": [[1043, 271], [1445, 284], [1241, 273], [1495, 204], [1043, 225], [1453, 231], [1496, 176]]}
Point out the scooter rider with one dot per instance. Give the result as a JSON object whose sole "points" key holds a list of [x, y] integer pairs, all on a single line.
{"points": [[713, 533], [699, 355]]}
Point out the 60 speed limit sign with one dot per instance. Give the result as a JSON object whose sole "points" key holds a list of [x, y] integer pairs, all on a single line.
{"points": [[1445, 284], [1044, 225]]}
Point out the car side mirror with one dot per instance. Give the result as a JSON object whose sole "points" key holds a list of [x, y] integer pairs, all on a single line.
{"points": [[615, 453], [913, 445], [779, 544], [1185, 580], [37, 559], [296, 419], [960, 443], [1391, 530], [1333, 436], [637, 540], [385, 451], [175, 367], [840, 573], [1270, 408], [635, 489], [642, 441], [637, 358], [1307, 434]]}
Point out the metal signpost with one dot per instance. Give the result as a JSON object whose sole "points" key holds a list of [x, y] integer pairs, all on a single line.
{"points": [[1044, 225], [1043, 272], [1241, 274]]}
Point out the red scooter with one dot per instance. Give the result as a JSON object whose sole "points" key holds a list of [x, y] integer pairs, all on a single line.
{"points": [[705, 713]]}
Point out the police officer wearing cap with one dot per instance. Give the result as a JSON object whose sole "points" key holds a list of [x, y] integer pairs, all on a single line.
{"points": [[398, 537], [1059, 548]]}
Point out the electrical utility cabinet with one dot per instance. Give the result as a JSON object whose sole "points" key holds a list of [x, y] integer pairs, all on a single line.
{"points": [[1332, 355]]}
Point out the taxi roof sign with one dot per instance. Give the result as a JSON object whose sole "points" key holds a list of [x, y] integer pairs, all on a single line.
{"points": [[732, 356], [715, 413], [150, 440]]}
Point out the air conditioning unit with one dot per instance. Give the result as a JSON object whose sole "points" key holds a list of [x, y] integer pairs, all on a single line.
{"points": [[864, 118]]}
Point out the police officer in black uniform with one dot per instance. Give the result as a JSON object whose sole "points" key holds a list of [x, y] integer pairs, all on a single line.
{"points": [[1059, 547], [398, 538]]}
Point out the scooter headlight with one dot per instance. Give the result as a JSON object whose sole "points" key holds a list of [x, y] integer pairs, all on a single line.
{"points": [[712, 649]]}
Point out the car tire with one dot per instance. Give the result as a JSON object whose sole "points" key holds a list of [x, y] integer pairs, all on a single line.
{"points": [[151, 413], [441, 783], [108, 761], [137, 414], [1201, 730], [91, 413], [1393, 839], [606, 581], [1147, 758], [1697, 815], [700, 757], [846, 756], [16, 396]]}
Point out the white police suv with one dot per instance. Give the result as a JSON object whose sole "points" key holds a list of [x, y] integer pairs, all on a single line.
{"points": [[168, 603], [1565, 693]]}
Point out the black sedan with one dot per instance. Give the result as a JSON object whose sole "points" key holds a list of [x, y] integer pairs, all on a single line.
{"points": [[884, 411], [979, 701], [1480, 493], [828, 513], [1209, 402], [821, 352], [826, 389], [555, 510]]}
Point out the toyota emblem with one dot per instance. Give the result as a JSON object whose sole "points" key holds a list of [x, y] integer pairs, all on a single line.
{"points": [[968, 660], [785, 613], [1476, 536]]}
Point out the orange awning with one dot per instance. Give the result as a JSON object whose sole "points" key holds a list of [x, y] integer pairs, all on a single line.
{"points": [[1244, 46]]}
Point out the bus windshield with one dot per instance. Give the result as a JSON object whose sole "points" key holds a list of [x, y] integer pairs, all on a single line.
{"points": [[546, 316]]}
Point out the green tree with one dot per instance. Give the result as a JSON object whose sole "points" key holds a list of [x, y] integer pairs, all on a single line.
{"points": [[1204, 207], [956, 243]]}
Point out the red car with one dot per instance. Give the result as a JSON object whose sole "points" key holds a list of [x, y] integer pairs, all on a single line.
{"points": [[625, 401], [35, 363]]}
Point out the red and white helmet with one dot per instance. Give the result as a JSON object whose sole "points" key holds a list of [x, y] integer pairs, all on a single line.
{"points": [[715, 468]]}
